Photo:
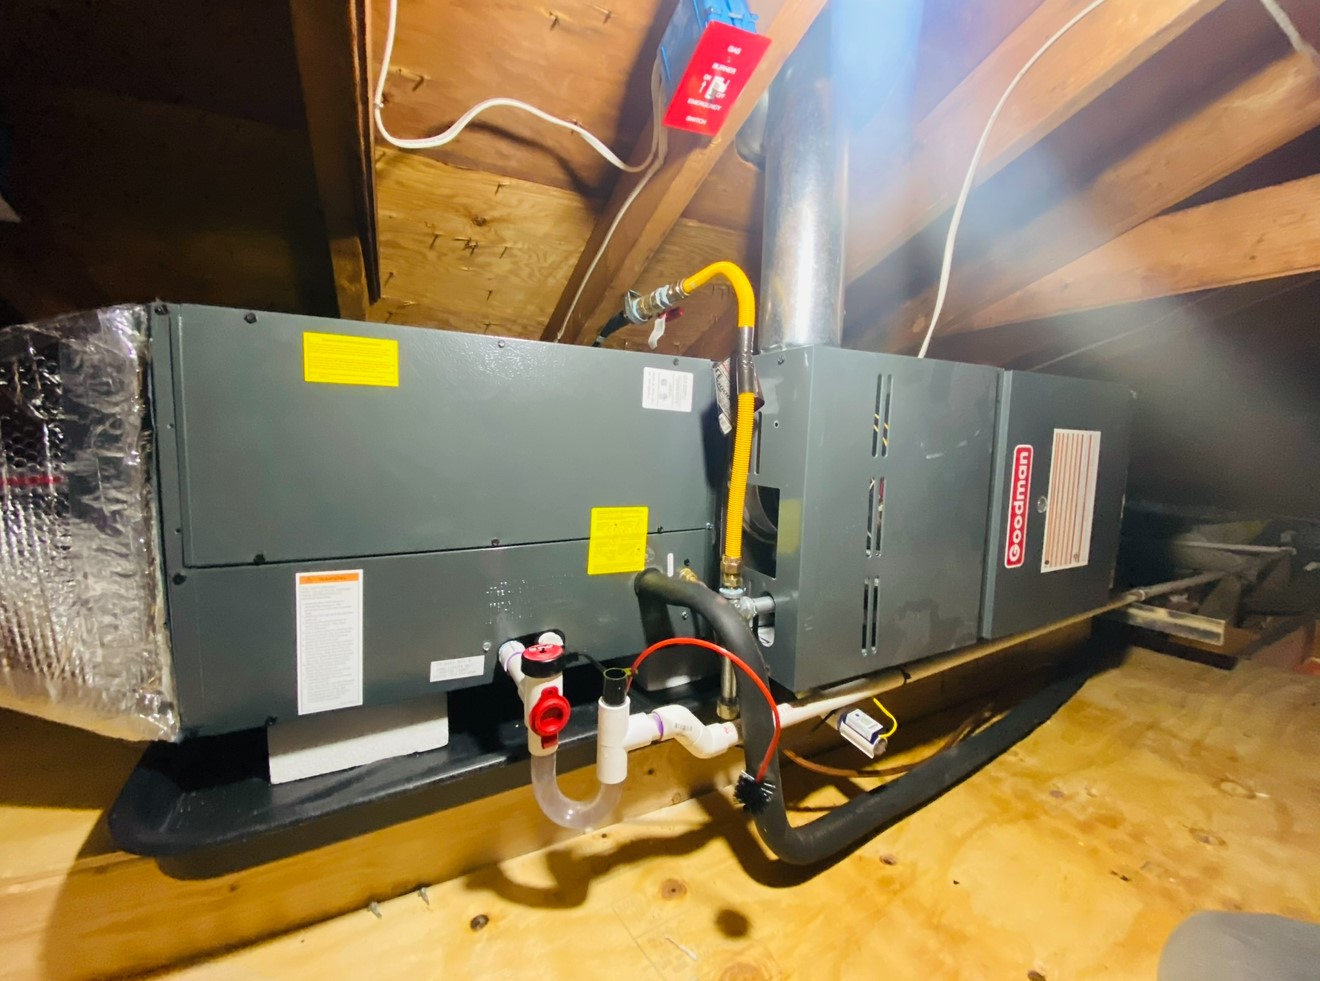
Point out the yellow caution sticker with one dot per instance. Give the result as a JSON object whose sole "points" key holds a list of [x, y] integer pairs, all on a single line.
{"points": [[339, 359], [618, 541]]}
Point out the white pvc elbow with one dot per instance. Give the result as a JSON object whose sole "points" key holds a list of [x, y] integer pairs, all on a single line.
{"points": [[699, 739]]}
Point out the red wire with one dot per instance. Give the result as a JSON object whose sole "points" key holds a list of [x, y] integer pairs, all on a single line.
{"points": [[740, 663]]}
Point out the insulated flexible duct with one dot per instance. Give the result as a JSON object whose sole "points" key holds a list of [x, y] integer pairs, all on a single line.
{"points": [[863, 816]]}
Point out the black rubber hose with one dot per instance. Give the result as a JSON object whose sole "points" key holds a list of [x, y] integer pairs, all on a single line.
{"points": [[866, 815], [612, 326]]}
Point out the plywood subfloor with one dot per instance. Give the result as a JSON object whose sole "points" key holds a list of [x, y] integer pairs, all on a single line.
{"points": [[73, 907], [1163, 788]]}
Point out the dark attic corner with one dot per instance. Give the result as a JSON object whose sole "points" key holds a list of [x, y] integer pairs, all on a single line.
{"points": [[734, 488]]}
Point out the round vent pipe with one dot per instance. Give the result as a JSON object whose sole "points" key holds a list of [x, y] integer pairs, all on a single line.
{"points": [[806, 190]]}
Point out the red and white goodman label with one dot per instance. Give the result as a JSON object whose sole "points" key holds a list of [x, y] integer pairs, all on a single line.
{"points": [[1015, 548]]}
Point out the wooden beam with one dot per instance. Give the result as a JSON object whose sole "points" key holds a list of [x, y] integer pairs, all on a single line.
{"points": [[658, 207], [1085, 63], [1275, 105], [1258, 235], [330, 39]]}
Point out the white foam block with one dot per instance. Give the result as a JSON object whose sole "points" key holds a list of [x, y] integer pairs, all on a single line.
{"points": [[334, 741]]}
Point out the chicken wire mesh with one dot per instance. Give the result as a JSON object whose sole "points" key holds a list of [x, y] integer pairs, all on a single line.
{"points": [[82, 617]]}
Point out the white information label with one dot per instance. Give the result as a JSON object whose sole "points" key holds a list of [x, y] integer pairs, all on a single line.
{"points": [[1070, 507], [668, 390], [458, 667], [724, 395], [329, 623]]}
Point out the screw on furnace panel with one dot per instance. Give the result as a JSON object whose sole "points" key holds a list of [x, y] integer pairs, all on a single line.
{"points": [[501, 344], [485, 645], [250, 317]]}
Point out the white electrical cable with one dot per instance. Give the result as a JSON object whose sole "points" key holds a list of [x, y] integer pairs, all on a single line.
{"points": [[440, 139], [1290, 31], [1280, 17], [947, 264], [659, 147]]}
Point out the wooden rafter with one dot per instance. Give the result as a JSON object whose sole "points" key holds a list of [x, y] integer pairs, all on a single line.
{"points": [[1085, 63], [1275, 105], [1265, 234], [332, 56], [662, 202]]}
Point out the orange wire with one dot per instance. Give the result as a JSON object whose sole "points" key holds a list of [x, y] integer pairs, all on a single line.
{"points": [[740, 663]]}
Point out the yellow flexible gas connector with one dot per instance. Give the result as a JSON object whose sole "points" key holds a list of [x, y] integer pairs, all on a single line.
{"points": [[742, 288], [731, 566]]}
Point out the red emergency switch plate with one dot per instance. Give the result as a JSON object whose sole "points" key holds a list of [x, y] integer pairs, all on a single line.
{"points": [[723, 61]]}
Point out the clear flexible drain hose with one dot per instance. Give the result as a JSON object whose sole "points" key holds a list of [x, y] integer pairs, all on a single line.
{"points": [[581, 815]]}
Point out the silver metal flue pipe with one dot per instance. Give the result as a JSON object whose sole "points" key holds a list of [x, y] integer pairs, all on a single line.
{"points": [[806, 189]]}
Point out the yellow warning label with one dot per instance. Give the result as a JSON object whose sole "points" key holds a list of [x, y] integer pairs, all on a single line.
{"points": [[338, 359], [618, 541]]}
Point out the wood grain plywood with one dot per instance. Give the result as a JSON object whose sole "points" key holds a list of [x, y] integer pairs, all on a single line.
{"points": [[71, 906], [1163, 788], [588, 62], [465, 250], [472, 251]]}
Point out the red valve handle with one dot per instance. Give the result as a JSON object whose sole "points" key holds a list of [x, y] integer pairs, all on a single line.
{"points": [[548, 716]]}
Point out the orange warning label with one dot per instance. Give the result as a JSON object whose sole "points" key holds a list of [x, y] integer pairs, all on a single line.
{"points": [[313, 579]]}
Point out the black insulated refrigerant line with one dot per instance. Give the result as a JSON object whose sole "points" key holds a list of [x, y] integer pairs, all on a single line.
{"points": [[845, 826]]}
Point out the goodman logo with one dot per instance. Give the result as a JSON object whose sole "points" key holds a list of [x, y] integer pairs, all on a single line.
{"points": [[1015, 549]]}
